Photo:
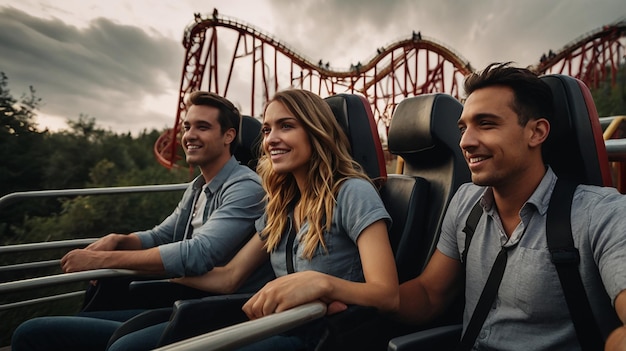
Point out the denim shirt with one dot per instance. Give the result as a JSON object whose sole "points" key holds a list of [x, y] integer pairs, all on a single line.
{"points": [[234, 202]]}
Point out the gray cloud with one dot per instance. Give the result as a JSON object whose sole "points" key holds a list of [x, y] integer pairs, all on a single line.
{"points": [[103, 71], [108, 70], [482, 31]]}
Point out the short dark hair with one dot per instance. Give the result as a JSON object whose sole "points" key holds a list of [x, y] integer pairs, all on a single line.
{"points": [[532, 96], [228, 116]]}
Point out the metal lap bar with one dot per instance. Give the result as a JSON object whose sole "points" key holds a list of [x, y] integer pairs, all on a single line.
{"points": [[248, 332]]}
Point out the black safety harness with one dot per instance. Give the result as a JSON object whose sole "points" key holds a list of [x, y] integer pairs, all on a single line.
{"points": [[565, 258]]}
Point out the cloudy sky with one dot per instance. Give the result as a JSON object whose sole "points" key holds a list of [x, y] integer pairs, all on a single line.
{"points": [[120, 61]]}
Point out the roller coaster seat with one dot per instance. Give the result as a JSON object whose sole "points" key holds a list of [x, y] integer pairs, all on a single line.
{"points": [[249, 147], [354, 114], [425, 134], [575, 150], [576, 132]]}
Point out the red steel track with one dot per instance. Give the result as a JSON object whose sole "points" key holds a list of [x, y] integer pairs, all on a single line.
{"points": [[236, 60], [591, 58]]}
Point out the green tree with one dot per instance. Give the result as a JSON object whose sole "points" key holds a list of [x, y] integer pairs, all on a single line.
{"points": [[610, 99], [20, 141], [106, 160], [73, 153], [22, 153]]}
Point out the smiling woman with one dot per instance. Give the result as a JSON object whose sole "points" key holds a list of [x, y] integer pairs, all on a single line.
{"points": [[324, 228]]}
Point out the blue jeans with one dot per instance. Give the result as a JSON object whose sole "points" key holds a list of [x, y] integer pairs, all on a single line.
{"points": [[86, 331], [142, 339], [305, 337], [276, 343]]}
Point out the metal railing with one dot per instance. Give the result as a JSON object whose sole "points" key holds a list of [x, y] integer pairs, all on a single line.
{"points": [[59, 279], [616, 149], [13, 197]]}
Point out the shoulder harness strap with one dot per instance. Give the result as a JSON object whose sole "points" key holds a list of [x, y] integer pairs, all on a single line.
{"points": [[564, 256], [566, 259], [470, 228]]}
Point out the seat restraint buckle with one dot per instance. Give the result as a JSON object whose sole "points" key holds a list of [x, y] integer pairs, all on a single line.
{"points": [[565, 255]]}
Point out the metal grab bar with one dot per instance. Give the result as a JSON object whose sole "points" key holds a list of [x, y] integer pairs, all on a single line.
{"points": [[48, 245], [616, 149], [245, 333], [53, 298], [33, 283], [12, 197], [29, 265]]}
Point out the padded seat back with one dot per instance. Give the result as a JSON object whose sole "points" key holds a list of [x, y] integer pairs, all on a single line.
{"points": [[249, 149], [424, 132], [354, 114], [403, 195], [575, 147], [405, 199]]}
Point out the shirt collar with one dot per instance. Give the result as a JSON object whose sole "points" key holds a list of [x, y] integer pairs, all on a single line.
{"points": [[540, 198], [219, 179]]}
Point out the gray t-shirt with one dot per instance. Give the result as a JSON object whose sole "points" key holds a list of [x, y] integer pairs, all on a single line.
{"points": [[358, 205], [530, 311]]}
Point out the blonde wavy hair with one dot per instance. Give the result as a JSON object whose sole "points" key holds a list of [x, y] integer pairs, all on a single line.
{"points": [[330, 165]]}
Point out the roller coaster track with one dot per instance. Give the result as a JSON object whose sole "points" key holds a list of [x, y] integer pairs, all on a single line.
{"points": [[241, 62], [591, 58], [226, 52]]}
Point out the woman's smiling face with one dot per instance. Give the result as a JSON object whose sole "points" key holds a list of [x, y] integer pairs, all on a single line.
{"points": [[285, 141]]}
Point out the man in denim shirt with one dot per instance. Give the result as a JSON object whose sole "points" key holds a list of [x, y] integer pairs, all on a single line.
{"points": [[215, 216], [212, 221]]}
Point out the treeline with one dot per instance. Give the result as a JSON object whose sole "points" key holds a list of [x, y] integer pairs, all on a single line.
{"points": [[82, 156]]}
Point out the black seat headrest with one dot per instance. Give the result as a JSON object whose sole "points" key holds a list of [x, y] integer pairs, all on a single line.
{"points": [[248, 151], [425, 127], [575, 148], [354, 114]]}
